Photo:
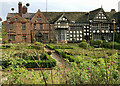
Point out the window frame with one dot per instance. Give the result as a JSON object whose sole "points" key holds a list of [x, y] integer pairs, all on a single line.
{"points": [[23, 26]]}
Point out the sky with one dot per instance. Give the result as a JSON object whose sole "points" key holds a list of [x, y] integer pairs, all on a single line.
{"points": [[57, 5]]}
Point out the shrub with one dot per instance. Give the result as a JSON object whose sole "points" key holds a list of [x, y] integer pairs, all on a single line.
{"points": [[30, 63], [83, 45], [51, 41], [70, 58], [110, 45], [10, 39], [5, 46], [62, 47], [96, 42], [49, 46], [5, 41], [37, 45], [83, 40], [100, 42]]}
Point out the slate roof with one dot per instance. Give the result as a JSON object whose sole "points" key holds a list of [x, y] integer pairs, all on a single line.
{"points": [[72, 16]]}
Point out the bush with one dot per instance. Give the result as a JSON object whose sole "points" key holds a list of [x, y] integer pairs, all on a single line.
{"points": [[110, 45], [37, 45], [83, 40], [96, 42], [100, 42], [5, 41], [62, 47], [6, 46], [83, 45], [49, 46], [70, 58], [30, 63], [51, 41]]}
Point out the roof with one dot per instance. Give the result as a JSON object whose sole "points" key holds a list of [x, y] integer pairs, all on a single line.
{"points": [[72, 16]]}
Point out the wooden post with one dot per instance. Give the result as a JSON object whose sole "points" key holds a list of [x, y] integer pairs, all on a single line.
{"points": [[113, 34]]}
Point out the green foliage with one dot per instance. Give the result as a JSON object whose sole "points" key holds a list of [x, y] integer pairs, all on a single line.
{"points": [[98, 71], [10, 39], [6, 46], [30, 63], [36, 45], [102, 38], [83, 40], [100, 42], [69, 57], [117, 39], [2, 33], [62, 47], [58, 47], [110, 45], [5, 41], [96, 42], [83, 45], [51, 41], [49, 46]]}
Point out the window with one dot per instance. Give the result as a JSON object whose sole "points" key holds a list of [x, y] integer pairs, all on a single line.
{"points": [[46, 36], [24, 37], [23, 26], [12, 37], [11, 26], [34, 26], [41, 26]]}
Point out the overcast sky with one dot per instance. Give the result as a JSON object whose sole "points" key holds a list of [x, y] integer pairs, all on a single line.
{"points": [[58, 5]]}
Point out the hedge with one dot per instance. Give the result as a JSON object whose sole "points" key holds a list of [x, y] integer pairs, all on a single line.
{"points": [[110, 45], [34, 47], [5, 46], [49, 46], [106, 44], [70, 58], [32, 64], [58, 47]]}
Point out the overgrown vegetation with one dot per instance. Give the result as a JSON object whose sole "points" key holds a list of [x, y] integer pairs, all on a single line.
{"points": [[83, 65]]}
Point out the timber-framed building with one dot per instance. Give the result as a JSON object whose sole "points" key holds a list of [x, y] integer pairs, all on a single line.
{"points": [[60, 26]]}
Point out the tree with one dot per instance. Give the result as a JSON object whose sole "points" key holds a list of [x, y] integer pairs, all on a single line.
{"points": [[2, 33]]}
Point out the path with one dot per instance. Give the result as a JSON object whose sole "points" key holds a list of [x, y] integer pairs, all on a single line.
{"points": [[60, 61]]}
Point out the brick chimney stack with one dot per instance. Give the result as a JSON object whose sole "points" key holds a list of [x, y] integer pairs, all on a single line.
{"points": [[20, 8], [24, 9]]}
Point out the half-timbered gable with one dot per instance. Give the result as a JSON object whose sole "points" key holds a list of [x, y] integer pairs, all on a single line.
{"points": [[60, 26], [100, 24]]}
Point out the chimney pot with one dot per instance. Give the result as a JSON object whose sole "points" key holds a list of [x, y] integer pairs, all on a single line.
{"points": [[24, 9], [20, 8]]}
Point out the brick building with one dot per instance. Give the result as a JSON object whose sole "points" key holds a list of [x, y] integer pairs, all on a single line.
{"points": [[60, 26]]}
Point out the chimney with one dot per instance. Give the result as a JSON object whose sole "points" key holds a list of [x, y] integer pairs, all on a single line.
{"points": [[24, 9], [113, 11], [20, 8]]}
